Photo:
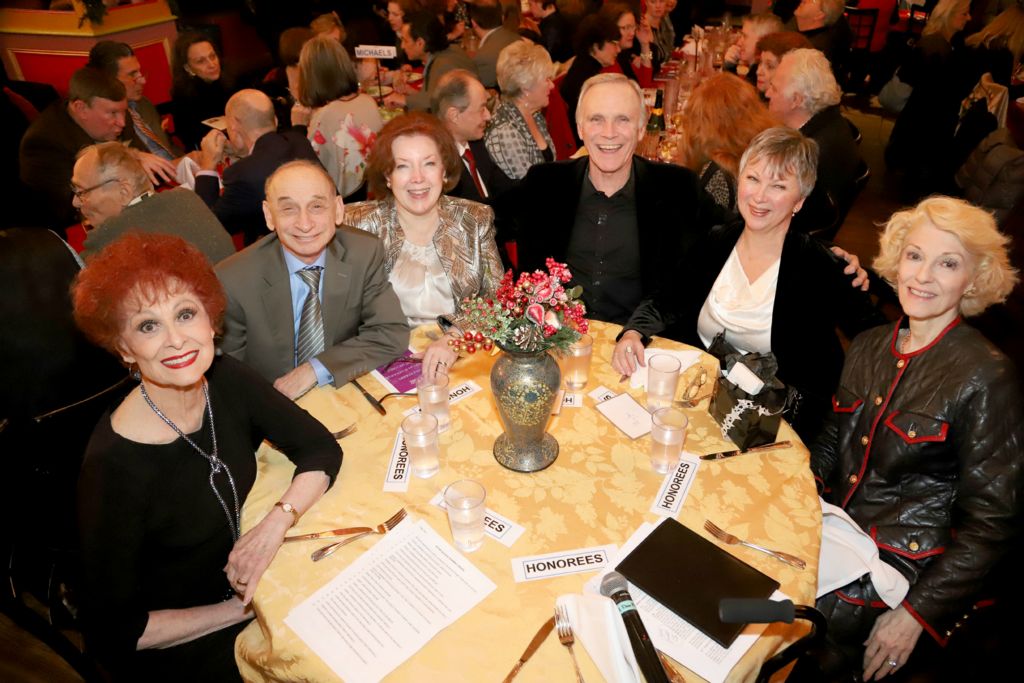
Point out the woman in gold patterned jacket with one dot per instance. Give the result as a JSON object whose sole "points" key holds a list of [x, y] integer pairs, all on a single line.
{"points": [[439, 249]]}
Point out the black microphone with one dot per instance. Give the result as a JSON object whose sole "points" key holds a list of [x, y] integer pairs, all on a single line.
{"points": [[613, 585]]}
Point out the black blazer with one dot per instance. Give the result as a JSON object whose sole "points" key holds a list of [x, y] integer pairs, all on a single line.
{"points": [[812, 298], [494, 178], [671, 210], [240, 207]]}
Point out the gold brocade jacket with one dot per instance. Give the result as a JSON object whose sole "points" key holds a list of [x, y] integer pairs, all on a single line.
{"points": [[464, 241]]}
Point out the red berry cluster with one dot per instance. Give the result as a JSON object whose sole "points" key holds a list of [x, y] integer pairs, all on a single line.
{"points": [[470, 341]]}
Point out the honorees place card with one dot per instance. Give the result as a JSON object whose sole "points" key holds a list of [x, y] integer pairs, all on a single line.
{"points": [[626, 414], [399, 377], [498, 527], [601, 394], [389, 602], [561, 563], [676, 485], [397, 478]]}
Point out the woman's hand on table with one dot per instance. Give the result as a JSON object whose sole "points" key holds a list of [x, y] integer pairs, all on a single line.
{"points": [[628, 354], [853, 266], [253, 552], [892, 639], [438, 358]]}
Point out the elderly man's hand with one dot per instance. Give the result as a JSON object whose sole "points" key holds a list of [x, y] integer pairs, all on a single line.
{"points": [[211, 150], [158, 169], [296, 382], [853, 266], [628, 354]]}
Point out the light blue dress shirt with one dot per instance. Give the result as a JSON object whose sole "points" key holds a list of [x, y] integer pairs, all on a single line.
{"points": [[299, 290]]}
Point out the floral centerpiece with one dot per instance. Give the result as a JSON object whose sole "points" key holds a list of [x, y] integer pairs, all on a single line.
{"points": [[526, 318], [532, 313]]}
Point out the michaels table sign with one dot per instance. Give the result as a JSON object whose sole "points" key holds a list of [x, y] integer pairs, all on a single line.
{"points": [[376, 52]]}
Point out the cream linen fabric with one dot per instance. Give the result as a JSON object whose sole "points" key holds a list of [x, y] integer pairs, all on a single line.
{"points": [[598, 491]]}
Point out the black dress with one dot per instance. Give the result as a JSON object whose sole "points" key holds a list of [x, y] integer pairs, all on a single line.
{"points": [[194, 104], [153, 535]]}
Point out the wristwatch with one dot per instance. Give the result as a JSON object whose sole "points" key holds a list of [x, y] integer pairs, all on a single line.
{"points": [[288, 507]]}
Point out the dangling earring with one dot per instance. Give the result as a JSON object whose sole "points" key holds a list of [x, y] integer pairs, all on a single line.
{"points": [[133, 372]]}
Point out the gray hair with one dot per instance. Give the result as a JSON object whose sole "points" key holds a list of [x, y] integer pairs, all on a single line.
{"points": [[601, 79], [785, 152], [832, 9], [117, 160], [522, 65], [452, 91], [811, 77]]}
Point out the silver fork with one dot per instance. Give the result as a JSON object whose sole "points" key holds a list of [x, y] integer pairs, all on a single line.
{"points": [[726, 537], [382, 528], [565, 636]]}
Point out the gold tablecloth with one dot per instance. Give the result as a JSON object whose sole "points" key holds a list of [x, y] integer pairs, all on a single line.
{"points": [[597, 492]]}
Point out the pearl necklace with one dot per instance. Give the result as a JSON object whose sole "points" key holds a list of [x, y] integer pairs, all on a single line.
{"points": [[216, 464]]}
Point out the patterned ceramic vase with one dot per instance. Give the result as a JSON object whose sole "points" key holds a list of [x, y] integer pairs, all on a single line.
{"points": [[525, 386]]}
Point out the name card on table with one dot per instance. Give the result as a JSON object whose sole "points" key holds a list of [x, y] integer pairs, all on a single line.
{"points": [[455, 394], [676, 485], [397, 478], [625, 413], [498, 527], [561, 563], [376, 52], [601, 394]]}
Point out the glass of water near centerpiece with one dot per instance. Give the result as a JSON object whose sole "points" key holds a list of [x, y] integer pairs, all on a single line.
{"points": [[528, 317]]}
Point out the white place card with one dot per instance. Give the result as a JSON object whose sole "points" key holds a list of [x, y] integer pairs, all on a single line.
{"points": [[572, 400], [376, 51], [389, 602], [602, 394], [498, 527], [550, 565], [626, 414], [397, 477], [672, 493]]}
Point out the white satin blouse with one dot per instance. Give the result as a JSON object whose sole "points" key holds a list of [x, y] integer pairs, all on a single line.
{"points": [[741, 308]]}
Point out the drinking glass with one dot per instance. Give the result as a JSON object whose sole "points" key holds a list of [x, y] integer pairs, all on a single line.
{"points": [[433, 397], [662, 377], [420, 432], [577, 363], [668, 434], [464, 500]]}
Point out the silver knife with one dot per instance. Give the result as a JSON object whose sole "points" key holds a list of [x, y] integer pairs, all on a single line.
{"points": [[542, 634], [369, 398], [755, 449]]}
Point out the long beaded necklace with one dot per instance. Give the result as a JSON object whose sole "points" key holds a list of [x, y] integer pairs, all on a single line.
{"points": [[216, 464]]}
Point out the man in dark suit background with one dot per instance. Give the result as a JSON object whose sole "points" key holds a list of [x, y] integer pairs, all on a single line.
{"points": [[310, 304], [486, 20], [252, 135], [424, 39]]}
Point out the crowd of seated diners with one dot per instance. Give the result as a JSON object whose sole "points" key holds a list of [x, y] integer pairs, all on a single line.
{"points": [[202, 237]]}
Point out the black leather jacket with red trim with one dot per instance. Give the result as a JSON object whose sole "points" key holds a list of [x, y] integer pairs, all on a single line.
{"points": [[924, 451]]}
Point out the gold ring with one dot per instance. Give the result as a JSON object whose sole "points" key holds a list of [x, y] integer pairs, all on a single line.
{"points": [[241, 583]]}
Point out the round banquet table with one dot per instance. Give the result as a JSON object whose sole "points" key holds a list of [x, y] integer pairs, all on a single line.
{"points": [[598, 491]]}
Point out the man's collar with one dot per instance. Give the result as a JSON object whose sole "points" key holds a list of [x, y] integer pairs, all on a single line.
{"points": [[145, 195], [294, 265], [484, 37], [627, 191], [461, 147]]}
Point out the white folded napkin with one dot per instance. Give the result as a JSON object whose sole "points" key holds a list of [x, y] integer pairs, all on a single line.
{"points": [[596, 623], [848, 553], [638, 379]]}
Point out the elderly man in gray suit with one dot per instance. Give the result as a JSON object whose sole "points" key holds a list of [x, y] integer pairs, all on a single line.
{"points": [[486, 20], [310, 304], [114, 195]]}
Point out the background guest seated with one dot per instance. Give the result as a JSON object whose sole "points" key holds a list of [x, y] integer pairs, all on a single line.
{"points": [[123, 200], [518, 137], [344, 121], [636, 56], [596, 48], [199, 90], [923, 450], [765, 287], [723, 114], [486, 19], [744, 52], [252, 137], [439, 250], [770, 51], [555, 29], [424, 39], [167, 575]]}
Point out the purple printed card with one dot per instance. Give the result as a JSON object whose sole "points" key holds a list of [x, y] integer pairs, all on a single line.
{"points": [[399, 376]]}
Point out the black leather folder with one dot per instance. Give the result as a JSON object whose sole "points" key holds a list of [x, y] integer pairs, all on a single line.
{"points": [[689, 574]]}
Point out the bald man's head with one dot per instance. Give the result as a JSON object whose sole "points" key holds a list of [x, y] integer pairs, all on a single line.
{"points": [[249, 115]]}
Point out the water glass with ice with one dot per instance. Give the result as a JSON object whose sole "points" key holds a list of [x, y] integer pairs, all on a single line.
{"points": [[662, 378], [433, 396], [464, 500], [420, 433], [576, 367], [668, 434]]}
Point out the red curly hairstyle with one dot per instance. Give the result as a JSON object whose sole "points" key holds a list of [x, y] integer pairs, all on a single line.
{"points": [[381, 161], [136, 268], [722, 116]]}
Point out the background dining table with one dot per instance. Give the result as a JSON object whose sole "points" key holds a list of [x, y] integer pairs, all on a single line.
{"points": [[598, 491]]}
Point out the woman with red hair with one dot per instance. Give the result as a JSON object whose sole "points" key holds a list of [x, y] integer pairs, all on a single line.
{"points": [[168, 575]]}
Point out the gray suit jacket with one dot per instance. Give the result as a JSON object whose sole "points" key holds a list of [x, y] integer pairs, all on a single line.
{"points": [[452, 57], [176, 212], [486, 58], [363, 321]]}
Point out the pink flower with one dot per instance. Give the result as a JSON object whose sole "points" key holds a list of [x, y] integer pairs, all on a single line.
{"points": [[535, 312]]}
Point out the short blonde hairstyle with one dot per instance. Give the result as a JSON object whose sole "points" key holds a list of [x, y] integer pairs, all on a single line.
{"points": [[942, 16], [994, 278], [785, 152], [522, 65]]}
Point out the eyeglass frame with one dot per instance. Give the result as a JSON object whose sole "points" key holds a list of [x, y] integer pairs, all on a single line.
{"points": [[78, 194]]}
